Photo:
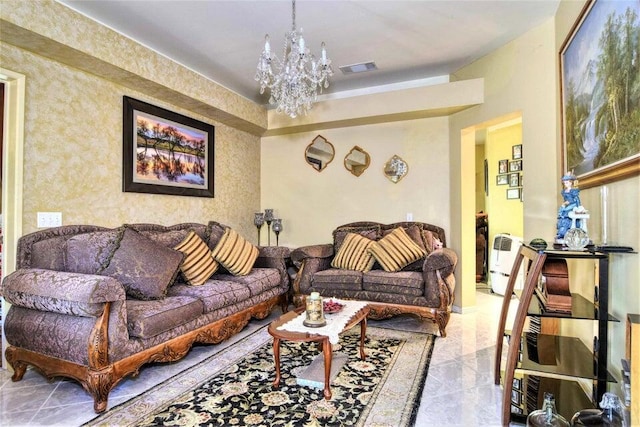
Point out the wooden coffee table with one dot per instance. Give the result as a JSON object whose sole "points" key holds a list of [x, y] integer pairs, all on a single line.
{"points": [[360, 317]]}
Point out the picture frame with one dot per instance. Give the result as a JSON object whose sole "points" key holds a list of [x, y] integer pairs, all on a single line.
{"points": [[515, 165], [165, 152], [514, 179], [516, 397], [513, 193], [486, 177], [502, 179], [516, 152], [585, 100], [503, 166]]}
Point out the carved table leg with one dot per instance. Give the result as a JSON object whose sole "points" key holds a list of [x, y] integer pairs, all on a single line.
{"points": [[363, 334], [276, 358], [326, 346]]}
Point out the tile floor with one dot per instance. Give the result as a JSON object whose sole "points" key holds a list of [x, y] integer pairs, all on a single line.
{"points": [[459, 390]]}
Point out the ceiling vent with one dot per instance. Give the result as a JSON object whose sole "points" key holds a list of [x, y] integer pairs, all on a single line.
{"points": [[358, 68]]}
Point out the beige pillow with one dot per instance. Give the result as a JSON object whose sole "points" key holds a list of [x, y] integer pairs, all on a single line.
{"points": [[396, 250], [353, 254], [235, 253], [198, 264]]}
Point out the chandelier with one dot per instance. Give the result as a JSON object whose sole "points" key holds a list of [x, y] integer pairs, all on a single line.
{"points": [[294, 81]]}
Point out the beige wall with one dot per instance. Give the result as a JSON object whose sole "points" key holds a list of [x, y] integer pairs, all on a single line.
{"points": [[520, 78], [313, 203]]}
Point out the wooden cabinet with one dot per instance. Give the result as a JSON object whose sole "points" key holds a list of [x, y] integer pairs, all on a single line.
{"points": [[538, 362]]}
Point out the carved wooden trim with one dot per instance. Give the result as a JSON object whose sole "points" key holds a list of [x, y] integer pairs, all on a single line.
{"points": [[99, 340], [100, 381]]}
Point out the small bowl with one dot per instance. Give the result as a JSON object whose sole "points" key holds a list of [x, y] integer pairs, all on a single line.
{"points": [[334, 308]]}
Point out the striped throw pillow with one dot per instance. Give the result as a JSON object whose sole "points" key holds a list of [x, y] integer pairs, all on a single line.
{"points": [[353, 254], [396, 250], [235, 253], [198, 264]]}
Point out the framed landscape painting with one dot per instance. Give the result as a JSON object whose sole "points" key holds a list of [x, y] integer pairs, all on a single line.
{"points": [[600, 82], [165, 152]]}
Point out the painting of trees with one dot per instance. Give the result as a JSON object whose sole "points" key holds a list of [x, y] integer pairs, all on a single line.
{"points": [[601, 89], [166, 152]]}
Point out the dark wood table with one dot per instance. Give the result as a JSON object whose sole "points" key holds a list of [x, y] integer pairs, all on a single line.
{"points": [[360, 317]]}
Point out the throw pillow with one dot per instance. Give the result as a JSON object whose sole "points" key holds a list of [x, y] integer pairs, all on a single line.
{"points": [[235, 253], [429, 239], [198, 264], [415, 233], [145, 268], [353, 254], [88, 253], [396, 250]]}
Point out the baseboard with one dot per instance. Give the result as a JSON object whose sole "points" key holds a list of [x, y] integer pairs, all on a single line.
{"points": [[465, 310]]}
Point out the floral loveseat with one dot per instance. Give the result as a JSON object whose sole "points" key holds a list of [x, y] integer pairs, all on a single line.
{"points": [[399, 268], [95, 304]]}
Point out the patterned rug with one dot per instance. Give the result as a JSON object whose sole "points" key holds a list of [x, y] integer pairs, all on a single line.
{"points": [[234, 386]]}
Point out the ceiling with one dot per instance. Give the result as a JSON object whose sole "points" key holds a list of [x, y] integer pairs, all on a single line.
{"points": [[408, 40]]}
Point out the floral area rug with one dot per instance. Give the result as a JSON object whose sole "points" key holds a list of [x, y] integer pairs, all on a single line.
{"points": [[234, 387]]}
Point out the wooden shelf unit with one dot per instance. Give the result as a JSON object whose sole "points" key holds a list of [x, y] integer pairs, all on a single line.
{"points": [[564, 370]]}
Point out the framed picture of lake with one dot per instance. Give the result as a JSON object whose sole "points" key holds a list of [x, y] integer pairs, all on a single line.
{"points": [[600, 98], [165, 152]]}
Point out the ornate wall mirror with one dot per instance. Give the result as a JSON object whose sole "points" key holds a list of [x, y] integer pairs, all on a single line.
{"points": [[319, 153], [395, 169], [357, 161]]}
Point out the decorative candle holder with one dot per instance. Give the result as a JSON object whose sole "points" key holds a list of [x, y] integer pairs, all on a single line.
{"points": [[258, 221], [268, 218], [314, 314], [277, 228]]}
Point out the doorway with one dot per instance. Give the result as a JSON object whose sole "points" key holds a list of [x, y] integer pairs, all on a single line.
{"points": [[12, 176], [484, 189]]}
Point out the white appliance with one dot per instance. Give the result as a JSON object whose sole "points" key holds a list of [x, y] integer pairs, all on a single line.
{"points": [[503, 254]]}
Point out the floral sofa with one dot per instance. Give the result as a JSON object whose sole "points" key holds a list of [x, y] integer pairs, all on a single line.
{"points": [[399, 268], [95, 304]]}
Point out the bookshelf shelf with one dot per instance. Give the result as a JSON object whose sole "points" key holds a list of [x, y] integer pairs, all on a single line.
{"points": [[554, 363]]}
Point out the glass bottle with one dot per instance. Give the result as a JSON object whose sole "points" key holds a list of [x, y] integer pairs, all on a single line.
{"points": [[547, 416], [609, 416]]}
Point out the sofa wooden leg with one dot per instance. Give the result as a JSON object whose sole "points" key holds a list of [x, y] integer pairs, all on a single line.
{"points": [[19, 367], [99, 384], [441, 319]]}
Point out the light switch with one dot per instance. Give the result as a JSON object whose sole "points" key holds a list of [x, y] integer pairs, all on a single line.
{"points": [[49, 219]]}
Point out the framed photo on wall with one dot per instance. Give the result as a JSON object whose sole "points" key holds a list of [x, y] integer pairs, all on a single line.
{"points": [[515, 166], [502, 179], [165, 152], [514, 179], [516, 152], [600, 108], [503, 165], [513, 193]]}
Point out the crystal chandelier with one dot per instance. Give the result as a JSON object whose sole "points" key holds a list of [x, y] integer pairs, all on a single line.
{"points": [[294, 82]]}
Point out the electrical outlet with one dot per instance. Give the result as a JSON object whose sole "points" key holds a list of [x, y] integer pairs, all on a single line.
{"points": [[49, 219], [409, 216]]}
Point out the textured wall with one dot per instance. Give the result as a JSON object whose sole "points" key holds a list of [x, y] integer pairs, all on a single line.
{"points": [[73, 155], [313, 203]]}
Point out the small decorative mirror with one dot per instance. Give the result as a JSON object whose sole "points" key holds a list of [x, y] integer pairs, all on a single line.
{"points": [[357, 161], [395, 169], [319, 153]]}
